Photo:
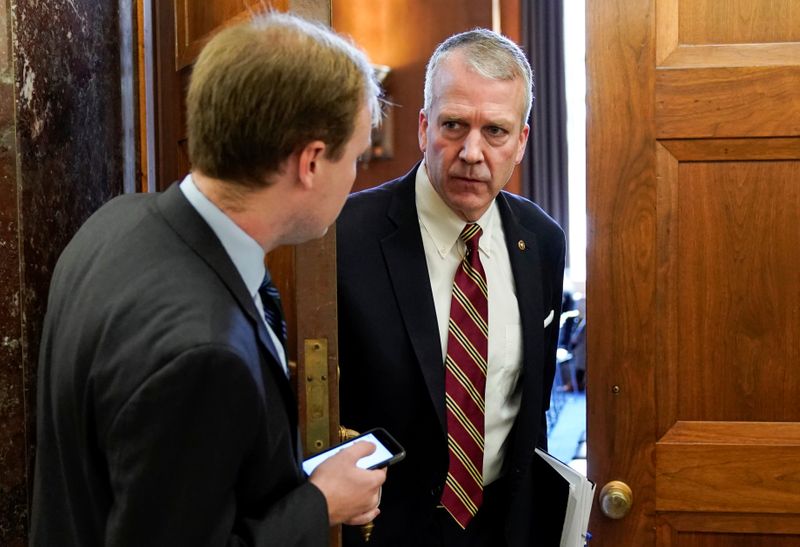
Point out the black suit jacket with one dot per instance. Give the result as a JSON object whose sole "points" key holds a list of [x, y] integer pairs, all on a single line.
{"points": [[392, 373], [164, 419]]}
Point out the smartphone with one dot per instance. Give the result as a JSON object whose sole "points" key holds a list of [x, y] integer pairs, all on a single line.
{"points": [[387, 451]]}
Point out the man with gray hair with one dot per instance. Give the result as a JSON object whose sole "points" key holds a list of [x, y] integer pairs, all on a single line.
{"points": [[449, 310], [165, 412]]}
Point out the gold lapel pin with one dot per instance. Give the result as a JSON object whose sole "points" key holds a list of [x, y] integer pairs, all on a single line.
{"points": [[521, 245]]}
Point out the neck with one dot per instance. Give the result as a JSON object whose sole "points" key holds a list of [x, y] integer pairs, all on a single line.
{"points": [[247, 207]]}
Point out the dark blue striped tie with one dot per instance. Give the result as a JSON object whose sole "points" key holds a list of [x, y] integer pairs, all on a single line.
{"points": [[273, 311]]}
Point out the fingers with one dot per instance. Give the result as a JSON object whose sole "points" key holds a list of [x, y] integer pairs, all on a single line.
{"points": [[368, 516], [364, 518], [352, 493], [382, 474]]}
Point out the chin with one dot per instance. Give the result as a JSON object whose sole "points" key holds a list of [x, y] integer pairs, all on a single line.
{"points": [[307, 233], [469, 206], [317, 234]]}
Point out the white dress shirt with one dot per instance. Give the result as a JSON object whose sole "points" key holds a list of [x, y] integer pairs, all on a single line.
{"points": [[440, 228], [245, 252]]}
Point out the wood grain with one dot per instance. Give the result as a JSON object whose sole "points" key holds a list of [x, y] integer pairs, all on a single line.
{"points": [[739, 21], [316, 315], [621, 273], [667, 313], [196, 21], [685, 150], [693, 244], [732, 55], [728, 102], [744, 467], [736, 291], [729, 523]]}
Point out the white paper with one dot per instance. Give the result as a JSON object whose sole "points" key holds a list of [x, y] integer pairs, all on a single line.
{"points": [[579, 502]]}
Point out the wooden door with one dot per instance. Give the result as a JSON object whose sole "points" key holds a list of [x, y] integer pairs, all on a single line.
{"points": [[180, 29], [694, 269], [305, 274]]}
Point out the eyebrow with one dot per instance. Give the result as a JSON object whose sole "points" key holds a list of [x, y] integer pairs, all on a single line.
{"points": [[505, 123]]}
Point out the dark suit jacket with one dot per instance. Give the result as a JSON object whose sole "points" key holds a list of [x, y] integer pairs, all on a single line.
{"points": [[164, 419], [392, 373]]}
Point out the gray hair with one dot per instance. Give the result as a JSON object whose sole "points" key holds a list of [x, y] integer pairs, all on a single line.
{"points": [[491, 55]]}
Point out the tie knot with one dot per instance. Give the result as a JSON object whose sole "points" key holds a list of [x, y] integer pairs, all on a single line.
{"points": [[266, 283], [471, 235]]}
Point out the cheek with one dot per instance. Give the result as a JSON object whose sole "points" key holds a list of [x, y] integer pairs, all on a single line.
{"points": [[506, 159], [349, 171], [442, 149]]}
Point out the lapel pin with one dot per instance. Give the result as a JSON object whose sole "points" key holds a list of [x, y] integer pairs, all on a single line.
{"points": [[521, 245]]}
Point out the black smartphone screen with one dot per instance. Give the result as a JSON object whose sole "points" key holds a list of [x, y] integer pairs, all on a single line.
{"points": [[387, 451]]}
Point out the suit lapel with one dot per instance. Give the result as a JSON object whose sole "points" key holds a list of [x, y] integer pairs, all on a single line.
{"points": [[523, 253], [405, 259], [408, 270], [191, 227]]}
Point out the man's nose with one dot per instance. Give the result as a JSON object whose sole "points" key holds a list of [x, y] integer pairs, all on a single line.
{"points": [[472, 148]]}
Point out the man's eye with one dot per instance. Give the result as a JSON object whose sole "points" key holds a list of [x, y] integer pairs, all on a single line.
{"points": [[495, 131], [450, 125]]}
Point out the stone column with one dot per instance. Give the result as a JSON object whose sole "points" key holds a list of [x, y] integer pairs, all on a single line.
{"points": [[60, 159]]}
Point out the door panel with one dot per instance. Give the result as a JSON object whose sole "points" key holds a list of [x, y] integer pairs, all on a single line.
{"points": [[689, 539], [737, 467], [693, 199], [729, 278], [728, 102], [737, 21], [197, 20]]}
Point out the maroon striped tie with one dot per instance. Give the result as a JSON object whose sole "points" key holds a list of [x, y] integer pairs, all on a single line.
{"points": [[465, 383]]}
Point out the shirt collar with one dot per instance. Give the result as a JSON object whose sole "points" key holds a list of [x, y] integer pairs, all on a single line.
{"points": [[441, 223], [244, 251]]}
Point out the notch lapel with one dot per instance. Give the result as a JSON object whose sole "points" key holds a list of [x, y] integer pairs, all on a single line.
{"points": [[190, 226], [408, 271], [527, 271]]}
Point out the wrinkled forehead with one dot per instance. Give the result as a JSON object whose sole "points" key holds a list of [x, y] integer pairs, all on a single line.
{"points": [[456, 85]]}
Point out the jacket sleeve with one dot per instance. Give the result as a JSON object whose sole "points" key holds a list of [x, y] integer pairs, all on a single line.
{"points": [[551, 332], [175, 451]]}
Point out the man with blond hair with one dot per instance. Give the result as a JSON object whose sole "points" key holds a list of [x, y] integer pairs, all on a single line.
{"points": [[165, 411]]}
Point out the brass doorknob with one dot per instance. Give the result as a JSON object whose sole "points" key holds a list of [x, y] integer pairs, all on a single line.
{"points": [[616, 499], [346, 434]]}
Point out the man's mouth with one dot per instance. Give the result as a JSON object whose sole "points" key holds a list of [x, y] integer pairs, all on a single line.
{"points": [[467, 180]]}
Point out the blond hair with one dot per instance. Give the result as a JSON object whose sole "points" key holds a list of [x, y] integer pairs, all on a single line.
{"points": [[263, 89]]}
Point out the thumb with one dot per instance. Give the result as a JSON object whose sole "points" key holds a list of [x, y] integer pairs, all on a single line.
{"points": [[358, 451]]}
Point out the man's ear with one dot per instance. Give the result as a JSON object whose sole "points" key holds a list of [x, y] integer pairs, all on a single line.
{"points": [[523, 139], [308, 162], [422, 131]]}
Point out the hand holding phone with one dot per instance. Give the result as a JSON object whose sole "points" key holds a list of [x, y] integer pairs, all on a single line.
{"points": [[352, 493], [387, 451]]}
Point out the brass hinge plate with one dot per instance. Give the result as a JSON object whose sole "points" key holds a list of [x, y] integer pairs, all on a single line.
{"points": [[317, 395]]}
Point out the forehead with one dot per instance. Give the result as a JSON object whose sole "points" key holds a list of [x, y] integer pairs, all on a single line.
{"points": [[457, 88]]}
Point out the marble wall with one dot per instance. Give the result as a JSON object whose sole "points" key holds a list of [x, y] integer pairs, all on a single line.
{"points": [[60, 159]]}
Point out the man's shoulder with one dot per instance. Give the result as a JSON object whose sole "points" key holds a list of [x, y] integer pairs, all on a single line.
{"points": [[368, 207], [383, 192], [531, 215]]}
